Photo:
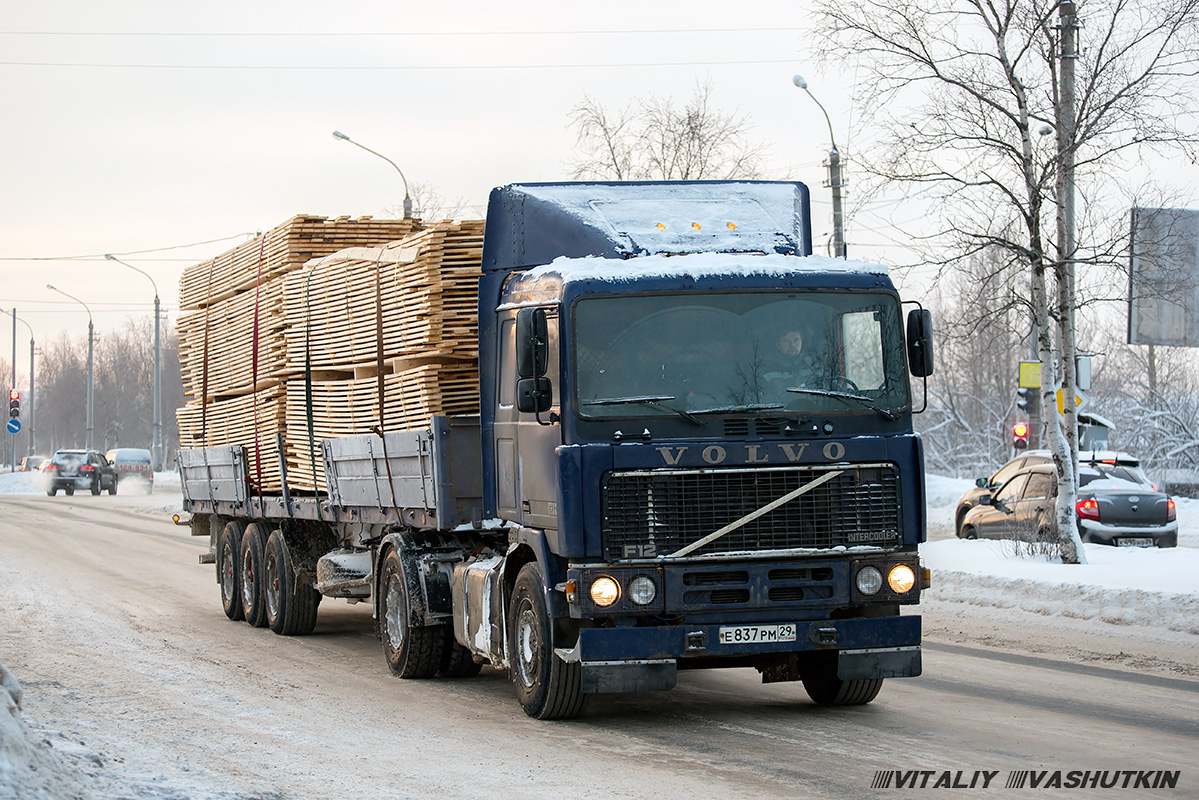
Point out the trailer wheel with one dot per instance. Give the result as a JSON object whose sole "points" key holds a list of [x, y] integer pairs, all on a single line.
{"points": [[290, 604], [411, 651], [457, 661], [228, 569], [546, 686], [826, 689], [253, 541]]}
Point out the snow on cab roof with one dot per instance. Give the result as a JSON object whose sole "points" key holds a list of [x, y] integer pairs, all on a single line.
{"points": [[697, 266]]}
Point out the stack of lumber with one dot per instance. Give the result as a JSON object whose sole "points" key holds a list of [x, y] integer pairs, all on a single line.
{"points": [[319, 304]]}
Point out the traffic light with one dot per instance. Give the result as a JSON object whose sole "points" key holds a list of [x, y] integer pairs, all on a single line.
{"points": [[14, 403], [1023, 398], [1020, 436]]}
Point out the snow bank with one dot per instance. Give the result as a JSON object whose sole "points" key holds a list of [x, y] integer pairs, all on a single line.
{"points": [[29, 768]]}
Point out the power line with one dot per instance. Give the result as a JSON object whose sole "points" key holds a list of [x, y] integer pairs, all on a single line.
{"points": [[101, 256], [406, 34], [396, 68]]}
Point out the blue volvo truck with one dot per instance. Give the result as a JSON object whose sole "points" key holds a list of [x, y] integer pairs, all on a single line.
{"points": [[694, 450]]}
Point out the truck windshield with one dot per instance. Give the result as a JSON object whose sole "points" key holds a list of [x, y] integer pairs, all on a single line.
{"points": [[746, 352]]}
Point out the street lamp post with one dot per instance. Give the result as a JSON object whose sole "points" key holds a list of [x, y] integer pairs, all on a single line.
{"points": [[407, 199], [157, 442], [32, 405], [90, 363], [834, 175]]}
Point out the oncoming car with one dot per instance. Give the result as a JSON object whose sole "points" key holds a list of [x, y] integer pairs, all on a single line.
{"points": [[1116, 505], [79, 469]]}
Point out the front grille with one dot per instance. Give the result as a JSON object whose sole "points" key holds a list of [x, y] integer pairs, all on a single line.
{"points": [[670, 509]]}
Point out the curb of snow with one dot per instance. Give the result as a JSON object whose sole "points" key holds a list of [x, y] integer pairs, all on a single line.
{"points": [[1172, 611]]}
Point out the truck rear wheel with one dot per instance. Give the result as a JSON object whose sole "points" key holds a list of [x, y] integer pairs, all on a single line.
{"points": [[411, 651], [826, 689], [456, 660], [546, 686], [228, 569], [290, 604], [253, 541]]}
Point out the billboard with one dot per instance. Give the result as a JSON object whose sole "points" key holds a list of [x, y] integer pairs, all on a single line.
{"points": [[1163, 279]]}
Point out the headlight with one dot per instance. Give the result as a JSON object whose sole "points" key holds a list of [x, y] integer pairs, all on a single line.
{"points": [[901, 579], [870, 580], [605, 591], [642, 590]]}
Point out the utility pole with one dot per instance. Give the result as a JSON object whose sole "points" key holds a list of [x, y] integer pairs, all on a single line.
{"points": [[834, 174], [14, 382]]}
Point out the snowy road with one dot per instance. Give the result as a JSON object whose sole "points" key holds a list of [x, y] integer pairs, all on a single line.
{"points": [[144, 689]]}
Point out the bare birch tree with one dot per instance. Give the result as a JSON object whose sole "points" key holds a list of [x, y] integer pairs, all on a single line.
{"points": [[653, 139], [962, 95]]}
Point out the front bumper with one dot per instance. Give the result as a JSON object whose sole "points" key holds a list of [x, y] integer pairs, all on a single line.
{"points": [[647, 659]]}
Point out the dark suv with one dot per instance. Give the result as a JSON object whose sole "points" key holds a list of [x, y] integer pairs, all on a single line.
{"points": [[79, 469]]}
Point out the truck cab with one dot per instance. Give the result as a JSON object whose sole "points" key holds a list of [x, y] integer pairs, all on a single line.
{"points": [[703, 433]]}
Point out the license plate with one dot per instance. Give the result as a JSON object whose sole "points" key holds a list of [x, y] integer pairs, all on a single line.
{"points": [[754, 634], [1136, 541]]}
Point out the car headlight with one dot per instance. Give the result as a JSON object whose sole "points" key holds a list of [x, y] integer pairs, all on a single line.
{"points": [[870, 580], [605, 591], [642, 590], [901, 579]]}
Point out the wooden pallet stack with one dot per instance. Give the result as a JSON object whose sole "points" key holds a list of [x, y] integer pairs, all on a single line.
{"points": [[324, 310]]}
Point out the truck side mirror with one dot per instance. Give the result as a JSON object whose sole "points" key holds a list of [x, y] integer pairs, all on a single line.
{"points": [[533, 395], [920, 342], [532, 343]]}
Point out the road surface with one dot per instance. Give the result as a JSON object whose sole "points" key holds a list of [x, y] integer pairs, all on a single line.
{"points": [[142, 687]]}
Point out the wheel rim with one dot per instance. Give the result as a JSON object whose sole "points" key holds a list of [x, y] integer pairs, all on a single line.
{"points": [[272, 584], [227, 589], [247, 579], [397, 626], [528, 645]]}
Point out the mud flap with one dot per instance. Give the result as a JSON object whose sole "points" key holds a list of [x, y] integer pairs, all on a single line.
{"points": [[614, 677], [879, 662]]}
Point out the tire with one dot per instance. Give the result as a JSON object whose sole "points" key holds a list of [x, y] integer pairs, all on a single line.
{"points": [[68, 491], [456, 660], [968, 532], [95, 486], [51, 492], [410, 651], [546, 686], [112, 489], [957, 525], [290, 604], [253, 602], [826, 689], [228, 570]]}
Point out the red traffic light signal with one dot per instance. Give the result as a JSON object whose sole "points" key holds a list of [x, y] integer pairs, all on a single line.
{"points": [[14, 403], [1020, 435]]}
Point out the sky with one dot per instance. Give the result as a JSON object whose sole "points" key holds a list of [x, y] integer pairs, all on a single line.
{"points": [[134, 128]]}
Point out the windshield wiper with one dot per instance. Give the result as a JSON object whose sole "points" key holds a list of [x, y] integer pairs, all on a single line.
{"points": [[738, 409], [655, 401], [866, 401]]}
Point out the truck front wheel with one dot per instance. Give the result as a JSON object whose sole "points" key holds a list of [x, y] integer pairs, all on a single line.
{"points": [[411, 651], [546, 686], [228, 569], [826, 689]]}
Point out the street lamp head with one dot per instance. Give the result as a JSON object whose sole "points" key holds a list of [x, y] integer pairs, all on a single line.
{"points": [[340, 135], [110, 256], [1045, 129], [800, 82], [51, 288]]}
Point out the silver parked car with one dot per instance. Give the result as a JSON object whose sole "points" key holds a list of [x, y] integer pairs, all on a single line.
{"points": [[1116, 505]]}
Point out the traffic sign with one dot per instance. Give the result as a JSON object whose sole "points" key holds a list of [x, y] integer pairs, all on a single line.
{"points": [[14, 426], [1079, 400]]}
